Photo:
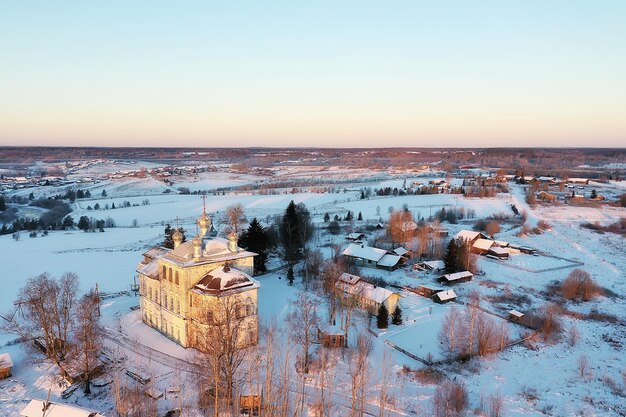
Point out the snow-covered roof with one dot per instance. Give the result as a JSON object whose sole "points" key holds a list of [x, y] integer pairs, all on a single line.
{"points": [[546, 178], [468, 235], [5, 361], [349, 278], [150, 269], [458, 275], [400, 251], [483, 244], [35, 408], [498, 250], [354, 236], [446, 295], [214, 250], [435, 264], [389, 260], [224, 278], [365, 252], [502, 243], [156, 252], [366, 290], [516, 313]]}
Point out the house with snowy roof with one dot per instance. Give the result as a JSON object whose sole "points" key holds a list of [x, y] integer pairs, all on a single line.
{"points": [[443, 297], [41, 408], [367, 296], [469, 235], [456, 278], [6, 365], [187, 291], [368, 256]]}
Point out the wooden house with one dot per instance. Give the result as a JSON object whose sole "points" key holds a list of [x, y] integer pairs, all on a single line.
{"points": [[39, 408], [331, 337], [367, 296], [443, 297], [456, 278]]}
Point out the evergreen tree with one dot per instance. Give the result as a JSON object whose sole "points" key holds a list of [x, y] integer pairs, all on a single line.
{"points": [[31, 196], [84, 223], [396, 316], [80, 194], [290, 275], [168, 242], [290, 234], [68, 222], [255, 239], [326, 218], [360, 216], [382, 320], [96, 206], [87, 194], [3, 205], [104, 193], [450, 259], [349, 216], [112, 206], [594, 194], [362, 195]]}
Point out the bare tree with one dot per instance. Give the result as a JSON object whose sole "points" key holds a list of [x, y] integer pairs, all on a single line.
{"points": [[583, 366], [579, 286], [450, 400], [47, 309], [303, 322], [358, 370], [87, 337], [492, 228], [450, 332], [233, 217], [222, 348]]}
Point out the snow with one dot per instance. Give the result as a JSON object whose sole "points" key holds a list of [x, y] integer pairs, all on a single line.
{"points": [[35, 407], [5, 360], [364, 252]]}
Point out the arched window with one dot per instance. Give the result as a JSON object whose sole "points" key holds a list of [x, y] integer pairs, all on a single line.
{"points": [[165, 300], [177, 305], [171, 302], [176, 281], [164, 275], [170, 275]]}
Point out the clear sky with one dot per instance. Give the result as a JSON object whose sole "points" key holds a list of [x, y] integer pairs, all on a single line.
{"points": [[313, 73]]}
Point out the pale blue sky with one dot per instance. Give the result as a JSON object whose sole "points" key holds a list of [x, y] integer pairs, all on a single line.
{"points": [[323, 73]]}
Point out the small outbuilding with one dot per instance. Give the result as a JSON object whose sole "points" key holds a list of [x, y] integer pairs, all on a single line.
{"points": [[498, 252], [516, 316], [331, 337], [456, 278], [443, 297], [482, 246], [354, 237], [6, 365]]}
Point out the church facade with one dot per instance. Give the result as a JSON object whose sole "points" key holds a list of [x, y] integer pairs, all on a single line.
{"points": [[187, 292]]}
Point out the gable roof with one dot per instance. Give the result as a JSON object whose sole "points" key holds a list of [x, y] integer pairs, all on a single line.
{"points": [[483, 244], [469, 235], [365, 252], [349, 278], [389, 260], [35, 409], [445, 295], [366, 290], [433, 265], [400, 251], [458, 275]]}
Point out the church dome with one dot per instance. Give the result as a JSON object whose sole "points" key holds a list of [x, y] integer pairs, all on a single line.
{"points": [[204, 222], [224, 278]]}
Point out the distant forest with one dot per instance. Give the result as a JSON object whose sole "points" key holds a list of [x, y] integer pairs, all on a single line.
{"points": [[560, 162]]}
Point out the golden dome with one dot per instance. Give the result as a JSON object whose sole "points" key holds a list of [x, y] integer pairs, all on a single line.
{"points": [[197, 241], [177, 236], [204, 221]]}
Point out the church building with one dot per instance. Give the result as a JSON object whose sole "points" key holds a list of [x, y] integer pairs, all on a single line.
{"points": [[189, 291]]}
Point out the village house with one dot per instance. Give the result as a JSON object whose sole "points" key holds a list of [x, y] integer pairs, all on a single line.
{"points": [[40, 408], [367, 296], [353, 237], [6, 365], [368, 256], [470, 236], [431, 266], [456, 278], [443, 297], [199, 284]]}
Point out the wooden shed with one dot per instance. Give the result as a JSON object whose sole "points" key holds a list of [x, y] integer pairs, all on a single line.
{"points": [[6, 365]]}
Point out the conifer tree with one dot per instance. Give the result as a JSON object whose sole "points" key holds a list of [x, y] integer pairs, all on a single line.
{"points": [[382, 320], [360, 216], [290, 275], [326, 218], [3, 205], [396, 317], [255, 239], [450, 258]]}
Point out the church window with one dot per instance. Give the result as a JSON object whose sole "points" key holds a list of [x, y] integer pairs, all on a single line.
{"points": [[164, 274], [165, 300], [170, 275], [177, 305], [176, 281]]}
